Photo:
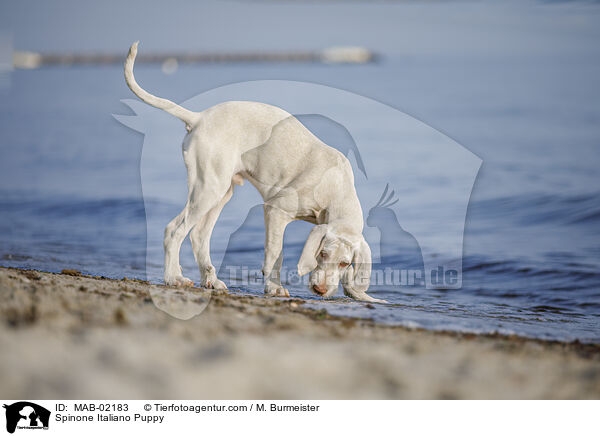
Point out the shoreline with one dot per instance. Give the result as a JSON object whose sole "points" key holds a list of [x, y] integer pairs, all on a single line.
{"points": [[574, 345], [82, 336]]}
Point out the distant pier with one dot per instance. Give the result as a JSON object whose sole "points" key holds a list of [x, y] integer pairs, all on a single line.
{"points": [[337, 55]]}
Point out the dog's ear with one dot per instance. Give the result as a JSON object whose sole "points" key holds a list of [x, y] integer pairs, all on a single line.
{"points": [[358, 277], [308, 259]]}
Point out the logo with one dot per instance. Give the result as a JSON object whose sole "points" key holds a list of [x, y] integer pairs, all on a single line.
{"points": [[413, 183], [26, 415]]}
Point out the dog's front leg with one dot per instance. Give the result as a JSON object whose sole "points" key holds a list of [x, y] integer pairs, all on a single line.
{"points": [[275, 224]]}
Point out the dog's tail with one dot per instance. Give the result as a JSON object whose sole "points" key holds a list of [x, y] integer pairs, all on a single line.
{"points": [[187, 116]]}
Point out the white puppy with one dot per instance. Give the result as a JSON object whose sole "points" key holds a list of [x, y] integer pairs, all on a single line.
{"points": [[298, 176]]}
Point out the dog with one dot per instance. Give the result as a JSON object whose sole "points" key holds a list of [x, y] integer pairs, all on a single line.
{"points": [[298, 176]]}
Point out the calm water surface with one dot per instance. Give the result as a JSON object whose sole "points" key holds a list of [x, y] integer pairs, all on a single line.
{"points": [[70, 192]]}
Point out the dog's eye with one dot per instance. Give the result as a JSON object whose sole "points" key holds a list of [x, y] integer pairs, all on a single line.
{"points": [[324, 255], [344, 264]]}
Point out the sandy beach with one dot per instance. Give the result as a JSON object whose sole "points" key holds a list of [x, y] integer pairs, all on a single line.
{"points": [[70, 336]]}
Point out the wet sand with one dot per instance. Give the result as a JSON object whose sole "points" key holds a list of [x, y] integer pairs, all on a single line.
{"points": [[66, 336]]}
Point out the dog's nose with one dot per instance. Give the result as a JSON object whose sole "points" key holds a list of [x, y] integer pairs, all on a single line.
{"points": [[321, 290]]}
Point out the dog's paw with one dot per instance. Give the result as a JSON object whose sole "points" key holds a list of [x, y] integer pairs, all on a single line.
{"points": [[277, 291], [179, 281], [218, 284], [213, 284]]}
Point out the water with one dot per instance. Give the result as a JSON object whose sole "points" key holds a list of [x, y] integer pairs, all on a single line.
{"points": [[70, 191]]}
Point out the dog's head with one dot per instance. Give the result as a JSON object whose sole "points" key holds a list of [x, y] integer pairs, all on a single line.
{"points": [[333, 254]]}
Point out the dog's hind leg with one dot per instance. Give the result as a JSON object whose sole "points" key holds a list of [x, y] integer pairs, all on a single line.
{"points": [[200, 238], [200, 202]]}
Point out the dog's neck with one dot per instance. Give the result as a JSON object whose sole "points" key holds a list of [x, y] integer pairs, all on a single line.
{"points": [[344, 213]]}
